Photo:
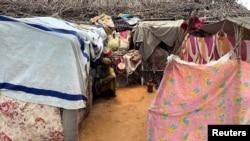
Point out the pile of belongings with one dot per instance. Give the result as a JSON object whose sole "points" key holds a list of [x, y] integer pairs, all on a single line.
{"points": [[119, 23]]}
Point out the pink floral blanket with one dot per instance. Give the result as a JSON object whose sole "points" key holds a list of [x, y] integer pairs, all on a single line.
{"points": [[192, 96], [24, 121]]}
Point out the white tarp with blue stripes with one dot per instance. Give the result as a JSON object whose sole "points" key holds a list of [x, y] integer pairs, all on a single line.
{"points": [[45, 61]]}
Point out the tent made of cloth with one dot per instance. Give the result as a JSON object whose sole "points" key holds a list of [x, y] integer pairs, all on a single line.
{"points": [[192, 95], [228, 24], [45, 77], [222, 38], [152, 33], [45, 60]]}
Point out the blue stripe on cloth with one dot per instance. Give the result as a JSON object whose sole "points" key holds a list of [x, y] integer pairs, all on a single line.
{"points": [[63, 31], [42, 92], [3, 18]]}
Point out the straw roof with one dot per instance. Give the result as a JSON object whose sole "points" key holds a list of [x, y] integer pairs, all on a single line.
{"points": [[83, 10]]}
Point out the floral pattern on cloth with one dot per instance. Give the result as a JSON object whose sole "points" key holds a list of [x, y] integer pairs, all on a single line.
{"points": [[23, 121], [192, 96]]}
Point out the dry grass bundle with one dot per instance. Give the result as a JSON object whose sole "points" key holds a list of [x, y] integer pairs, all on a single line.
{"points": [[83, 10]]}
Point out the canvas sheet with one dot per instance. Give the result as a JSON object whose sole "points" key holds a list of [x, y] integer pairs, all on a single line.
{"points": [[205, 49], [91, 34], [191, 96], [43, 64], [228, 25], [152, 33]]}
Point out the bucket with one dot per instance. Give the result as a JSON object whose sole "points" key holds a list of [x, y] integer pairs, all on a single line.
{"points": [[107, 52], [121, 67], [116, 60]]}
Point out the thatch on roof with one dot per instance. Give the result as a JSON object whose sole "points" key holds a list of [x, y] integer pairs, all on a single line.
{"points": [[83, 10]]}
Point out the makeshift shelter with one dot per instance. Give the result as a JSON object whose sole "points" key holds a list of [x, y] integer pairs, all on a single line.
{"points": [[45, 81], [194, 94], [228, 26], [220, 38], [155, 41], [116, 46]]}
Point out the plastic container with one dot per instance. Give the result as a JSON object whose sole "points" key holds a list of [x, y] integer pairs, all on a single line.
{"points": [[150, 86]]}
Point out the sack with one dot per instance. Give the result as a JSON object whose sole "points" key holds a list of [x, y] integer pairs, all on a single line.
{"points": [[118, 40], [136, 56]]}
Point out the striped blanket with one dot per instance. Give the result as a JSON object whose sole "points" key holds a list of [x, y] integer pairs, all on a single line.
{"points": [[45, 61], [202, 50]]}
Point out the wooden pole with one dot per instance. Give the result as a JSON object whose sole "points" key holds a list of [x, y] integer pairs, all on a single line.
{"points": [[184, 33], [238, 35]]}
